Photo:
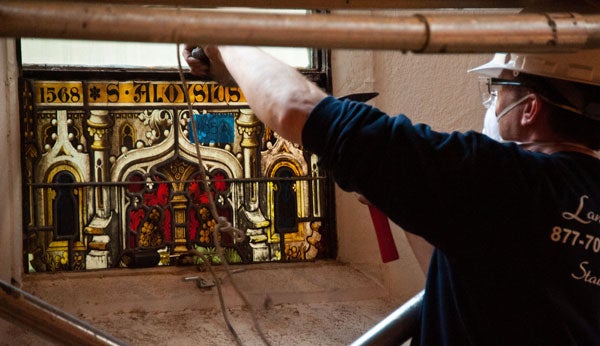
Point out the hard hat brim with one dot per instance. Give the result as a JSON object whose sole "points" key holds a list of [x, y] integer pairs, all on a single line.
{"points": [[580, 67], [492, 68]]}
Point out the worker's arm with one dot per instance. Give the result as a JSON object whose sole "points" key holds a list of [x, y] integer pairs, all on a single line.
{"points": [[280, 96]]}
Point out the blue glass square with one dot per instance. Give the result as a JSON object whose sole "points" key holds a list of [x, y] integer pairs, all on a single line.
{"points": [[217, 128]]}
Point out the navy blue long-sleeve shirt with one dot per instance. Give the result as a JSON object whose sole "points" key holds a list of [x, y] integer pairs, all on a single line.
{"points": [[517, 233]]}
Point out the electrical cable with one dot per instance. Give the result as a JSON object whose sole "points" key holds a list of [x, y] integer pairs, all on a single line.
{"points": [[222, 226]]}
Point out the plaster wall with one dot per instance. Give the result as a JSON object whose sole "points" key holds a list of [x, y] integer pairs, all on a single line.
{"points": [[433, 89]]}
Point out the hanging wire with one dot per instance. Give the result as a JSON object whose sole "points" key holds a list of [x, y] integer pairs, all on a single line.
{"points": [[222, 226]]}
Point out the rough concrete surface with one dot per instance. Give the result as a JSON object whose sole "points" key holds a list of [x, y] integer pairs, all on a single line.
{"points": [[321, 303]]}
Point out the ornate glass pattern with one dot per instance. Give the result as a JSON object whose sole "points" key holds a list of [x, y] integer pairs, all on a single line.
{"points": [[112, 178]]}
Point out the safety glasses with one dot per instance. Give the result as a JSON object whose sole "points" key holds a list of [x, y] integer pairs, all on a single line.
{"points": [[490, 87]]}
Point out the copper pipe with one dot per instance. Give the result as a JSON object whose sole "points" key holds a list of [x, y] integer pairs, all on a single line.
{"points": [[582, 6], [457, 33], [47, 321]]}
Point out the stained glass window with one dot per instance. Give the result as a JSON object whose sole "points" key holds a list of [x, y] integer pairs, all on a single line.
{"points": [[112, 175]]}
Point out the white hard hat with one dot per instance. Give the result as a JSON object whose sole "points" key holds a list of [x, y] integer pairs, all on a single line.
{"points": [[582, 66]]}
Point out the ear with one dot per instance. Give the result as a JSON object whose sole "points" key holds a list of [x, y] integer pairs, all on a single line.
{"points": [[532, 110]]}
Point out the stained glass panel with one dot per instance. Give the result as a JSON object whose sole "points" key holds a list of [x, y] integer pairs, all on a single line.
{"points": [[113, 177]]}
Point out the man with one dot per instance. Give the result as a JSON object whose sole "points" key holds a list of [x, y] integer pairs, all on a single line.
{"points": [[516, 227]]}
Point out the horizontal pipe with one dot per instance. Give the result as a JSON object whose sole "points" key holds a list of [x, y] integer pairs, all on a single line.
{"points": [[397, 328], [456, 33], [507, 33], [47, 321], [582, 6]]}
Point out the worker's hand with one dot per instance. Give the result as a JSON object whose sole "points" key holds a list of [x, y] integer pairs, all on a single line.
{"points": [[198, 67], [205, 62]]}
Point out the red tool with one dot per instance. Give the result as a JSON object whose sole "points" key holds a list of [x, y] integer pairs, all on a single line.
{"points": [[387, 247]]}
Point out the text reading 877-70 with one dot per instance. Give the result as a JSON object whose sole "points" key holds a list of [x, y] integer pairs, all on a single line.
{"points": [[575, 238]]}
